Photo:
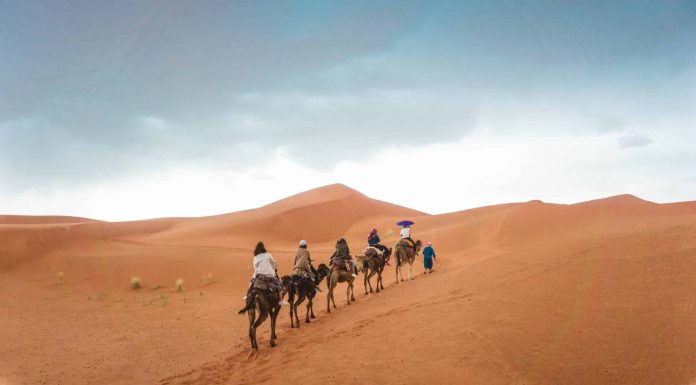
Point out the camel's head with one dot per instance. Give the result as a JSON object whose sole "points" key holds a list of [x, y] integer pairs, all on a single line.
{"points": [[360, 263], [286, 281], [419, 245], [323, 270]]}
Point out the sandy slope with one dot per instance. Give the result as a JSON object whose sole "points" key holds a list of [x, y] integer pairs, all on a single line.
{"points": [[598, 292]]}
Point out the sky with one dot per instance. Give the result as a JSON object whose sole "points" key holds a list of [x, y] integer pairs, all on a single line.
{"points": [[139, 109]]}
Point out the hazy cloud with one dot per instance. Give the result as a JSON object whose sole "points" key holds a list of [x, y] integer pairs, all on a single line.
{"points": [[633, 140]]}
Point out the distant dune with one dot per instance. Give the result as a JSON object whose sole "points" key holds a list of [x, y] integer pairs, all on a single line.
{"points": [[598, 292]]}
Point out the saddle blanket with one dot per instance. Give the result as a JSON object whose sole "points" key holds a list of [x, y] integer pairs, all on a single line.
{"points": [[262, 282], [378, 251], [406, 243], [339, 264]]}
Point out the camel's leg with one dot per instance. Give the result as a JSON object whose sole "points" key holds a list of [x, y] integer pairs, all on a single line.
{"points": [[330, 296], [396, 271], [348, 293], [379, 277], [297, 305], [309, 307], [369, 277], [334, 284], [291, 299], [252, 336], [373, 272], [293, 313], [263, 314], [274, 316], [410, 271], [352, 290], [328, 301], [366, 281], [311, 310]]}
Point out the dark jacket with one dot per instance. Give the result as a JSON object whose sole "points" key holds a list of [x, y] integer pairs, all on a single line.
{"points": [[342, 251]]}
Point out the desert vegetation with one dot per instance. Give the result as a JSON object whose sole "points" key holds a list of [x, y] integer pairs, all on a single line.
{"points": [[135, 283], [179, 285]]}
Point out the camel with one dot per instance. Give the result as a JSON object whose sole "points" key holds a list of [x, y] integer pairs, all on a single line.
{"points": [[336, 276], [372, 263], [405, 254], [303, 287], [265, 302]]}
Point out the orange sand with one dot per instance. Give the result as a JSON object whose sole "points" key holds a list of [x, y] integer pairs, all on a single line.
{"points": [[598, 292]]}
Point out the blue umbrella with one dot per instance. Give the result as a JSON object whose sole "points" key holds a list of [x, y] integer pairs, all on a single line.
{"points": [[404, 223]]}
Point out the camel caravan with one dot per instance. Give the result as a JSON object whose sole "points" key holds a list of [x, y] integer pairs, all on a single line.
{"points": [[267, 291]]}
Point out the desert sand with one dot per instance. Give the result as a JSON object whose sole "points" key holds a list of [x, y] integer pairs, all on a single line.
{"points": [[599, 292]]}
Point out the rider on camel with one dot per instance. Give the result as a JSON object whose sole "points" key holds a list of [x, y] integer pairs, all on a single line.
{"points": [[303, 263], [265, 267], [406, 235], [343, 253], [373, 238], [374, 241]]}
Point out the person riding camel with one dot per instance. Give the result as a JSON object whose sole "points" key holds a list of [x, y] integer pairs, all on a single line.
{"points": [[373, 238], [342, 253], [303, 263], [406, 235], [265, 268], [374, 241]]}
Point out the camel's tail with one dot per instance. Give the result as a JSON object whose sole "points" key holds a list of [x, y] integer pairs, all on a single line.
{"points": [[249, 305]]}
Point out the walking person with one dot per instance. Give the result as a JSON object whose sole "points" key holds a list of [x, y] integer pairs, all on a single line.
{"points": [[428, 258]]}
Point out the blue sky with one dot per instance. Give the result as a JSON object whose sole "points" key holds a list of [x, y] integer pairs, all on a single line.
{"points": [[204, 102]]}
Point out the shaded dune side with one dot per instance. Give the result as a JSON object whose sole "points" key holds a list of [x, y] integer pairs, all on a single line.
{"points": [[320, 215]]}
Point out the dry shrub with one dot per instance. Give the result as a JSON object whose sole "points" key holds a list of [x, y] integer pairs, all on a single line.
{"points": [[135, 283], [179, 284]]}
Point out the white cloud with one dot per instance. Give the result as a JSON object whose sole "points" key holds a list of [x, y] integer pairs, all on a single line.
{"points": [[480, 170]]}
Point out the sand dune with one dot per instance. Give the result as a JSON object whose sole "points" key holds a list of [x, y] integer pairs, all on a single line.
{"points": [[38, 219], [597, 292]]}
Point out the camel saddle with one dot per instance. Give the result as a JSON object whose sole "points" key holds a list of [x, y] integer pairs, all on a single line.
{"points": [[407, 243], [339, 264], [378, 252], [262, 282]]}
